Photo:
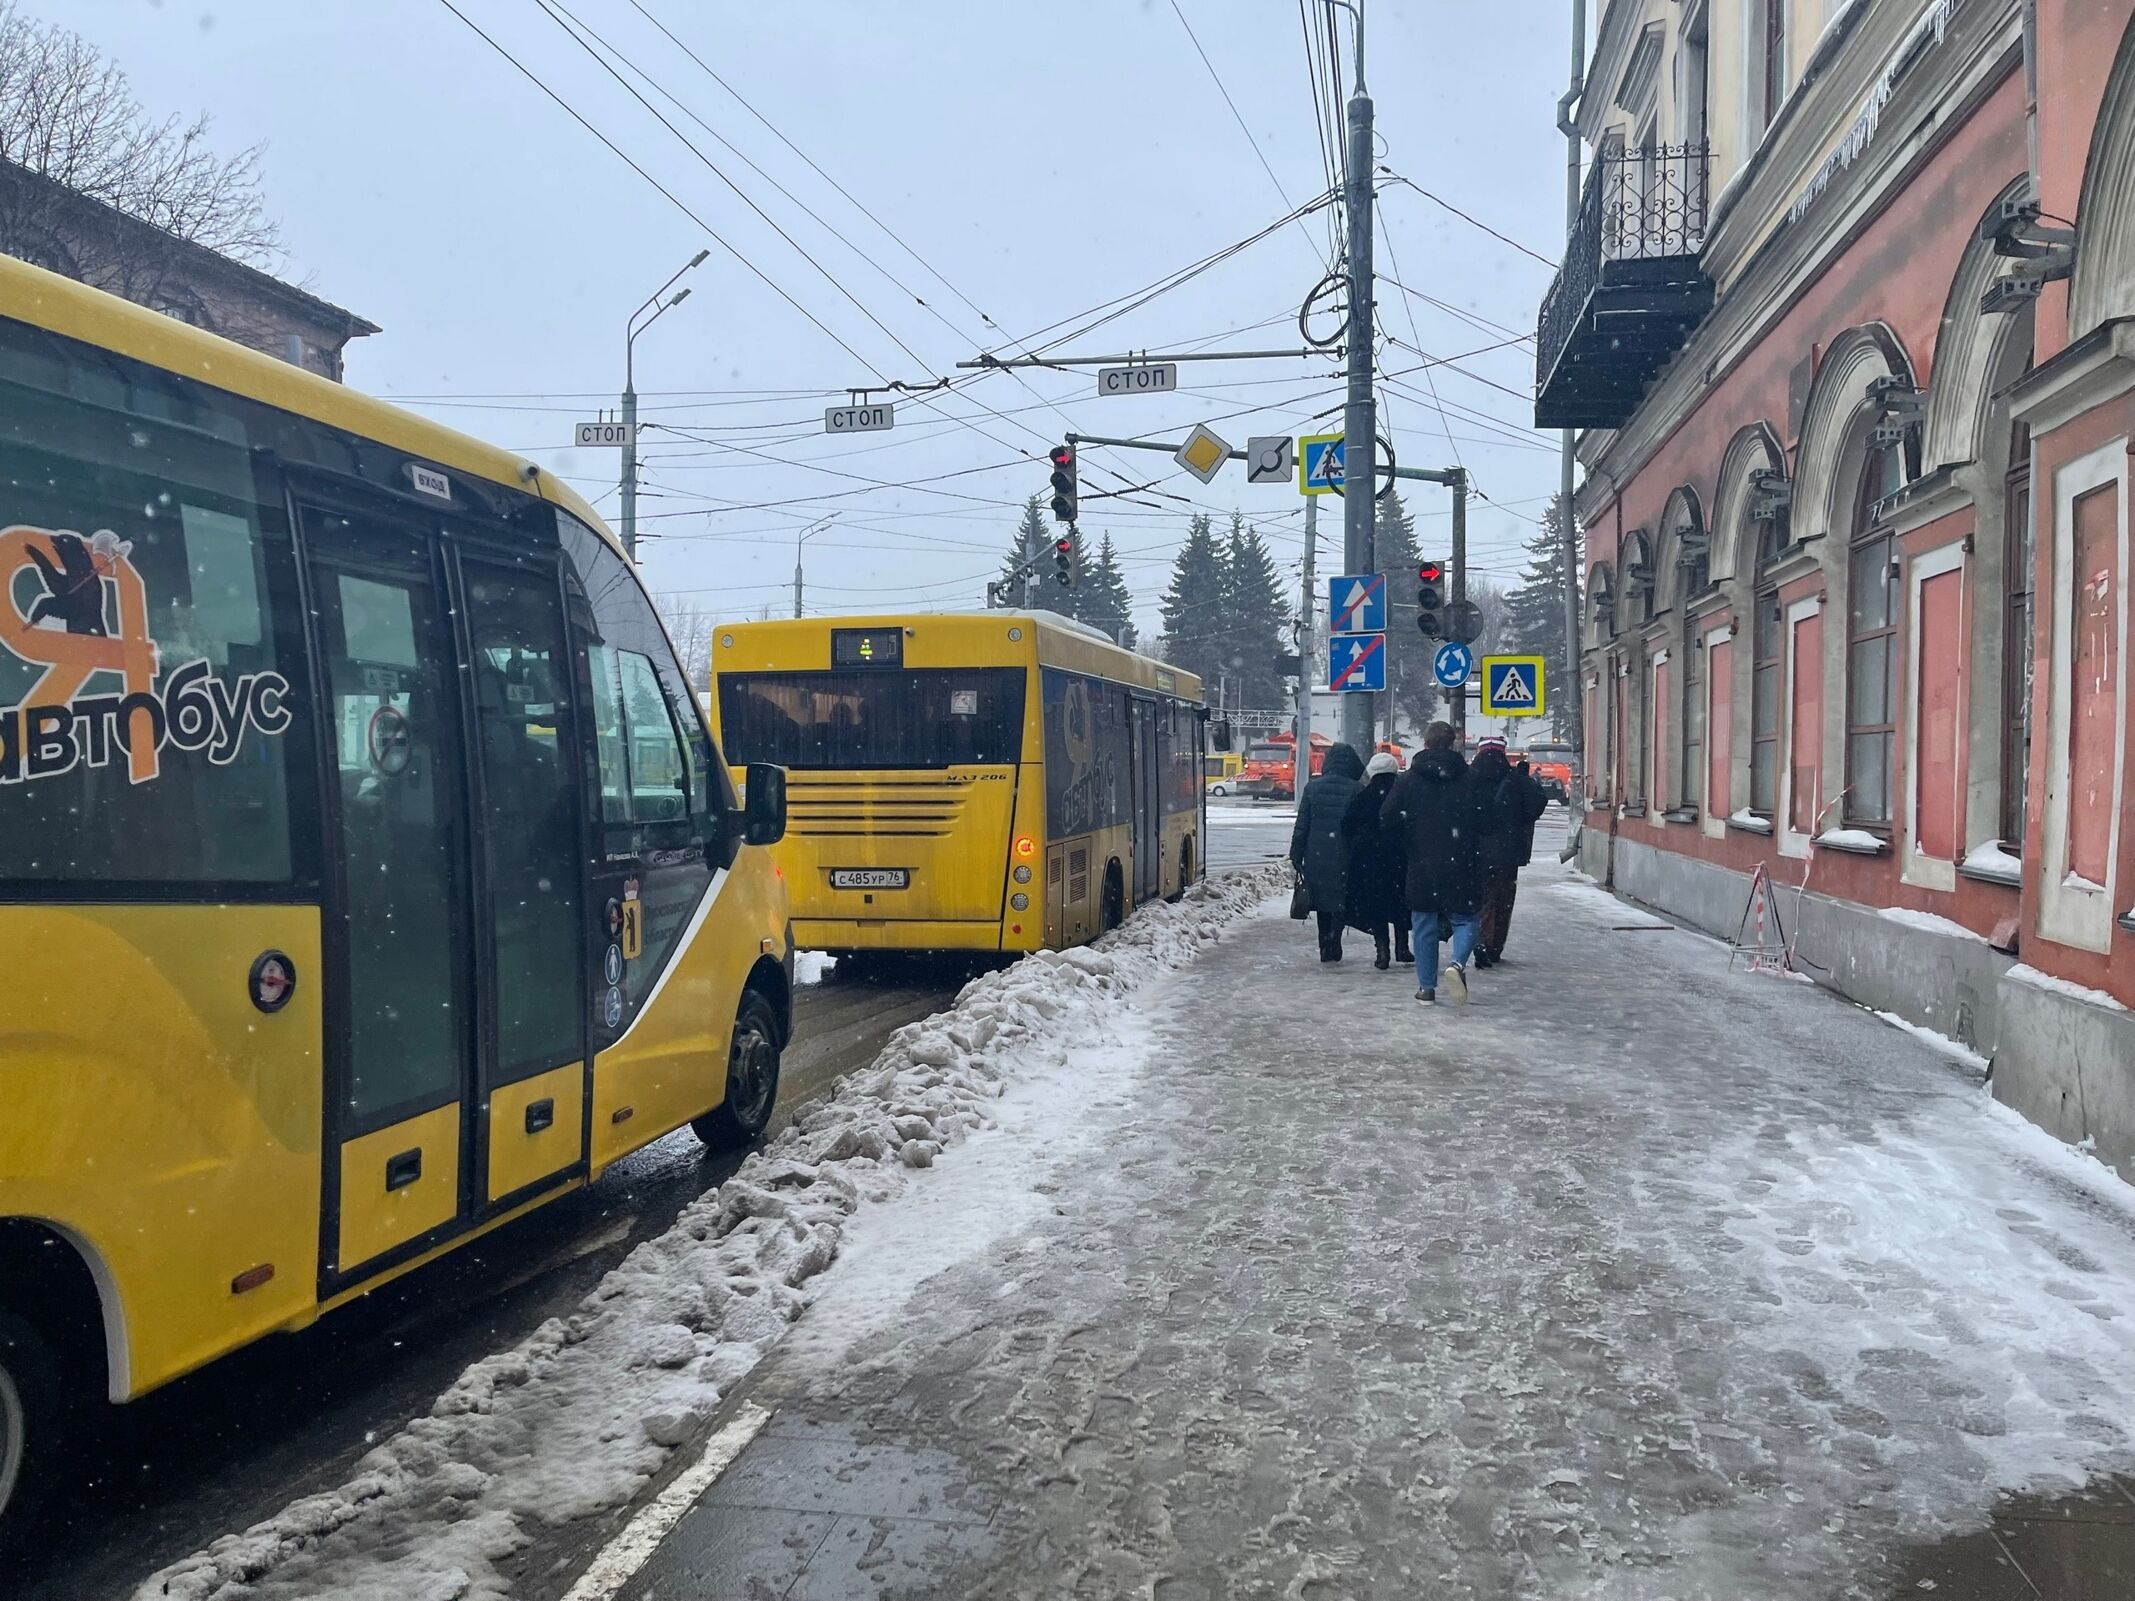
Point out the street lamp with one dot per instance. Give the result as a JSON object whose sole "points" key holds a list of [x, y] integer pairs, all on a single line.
{"points": [[799, 540], [657, 302]]}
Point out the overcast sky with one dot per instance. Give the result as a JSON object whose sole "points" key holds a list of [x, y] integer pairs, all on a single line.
{"points": [[1042, 158]]}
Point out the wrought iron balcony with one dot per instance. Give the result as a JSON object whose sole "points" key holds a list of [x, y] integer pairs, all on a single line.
{"points": [[1631, 288]]}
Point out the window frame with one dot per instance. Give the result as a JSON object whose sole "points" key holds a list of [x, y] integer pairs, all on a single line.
{"points": [[2019, 636], [1766, 614], [1875, 540]]}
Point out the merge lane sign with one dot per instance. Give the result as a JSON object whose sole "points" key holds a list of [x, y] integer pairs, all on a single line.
{"points": [[1143, 378], [1319, 464], [605, 433], [1357, 603], [1512, 686], [1356, 662]]}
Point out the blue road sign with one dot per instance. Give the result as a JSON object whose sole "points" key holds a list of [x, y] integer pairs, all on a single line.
{"points": [[1512, 686], [1452, 665], [1319, 464], [1357, 604], [1356, 662]]}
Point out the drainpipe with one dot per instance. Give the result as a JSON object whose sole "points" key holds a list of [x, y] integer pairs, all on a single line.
{"points": [[2031, 91], [1568, 530]]}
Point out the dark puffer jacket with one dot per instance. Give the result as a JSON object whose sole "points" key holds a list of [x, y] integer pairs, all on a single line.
{"points": [[1433, 805], [1378, 866], [1488, 776], [1316, 842]]}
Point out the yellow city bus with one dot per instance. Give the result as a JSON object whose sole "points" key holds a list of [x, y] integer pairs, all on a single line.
{"points": [[1002, 781], [367, 874]]}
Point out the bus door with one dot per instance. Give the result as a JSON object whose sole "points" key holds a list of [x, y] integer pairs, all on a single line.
{"points": [[433, 1080], [1148, 794]]}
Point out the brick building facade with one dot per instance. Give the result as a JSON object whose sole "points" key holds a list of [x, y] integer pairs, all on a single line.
{"points": [[1849, 323]]}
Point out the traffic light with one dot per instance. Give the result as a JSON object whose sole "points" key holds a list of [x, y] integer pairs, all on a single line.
{"points": [[1064, 561], [1064, 491], [1431, 599]]}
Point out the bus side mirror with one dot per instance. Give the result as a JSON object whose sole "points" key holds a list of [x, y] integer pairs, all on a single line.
{"points": [[763, 805], [1219, 734]]}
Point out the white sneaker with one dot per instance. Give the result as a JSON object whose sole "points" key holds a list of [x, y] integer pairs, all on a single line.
{"points": [[1456, 982]]}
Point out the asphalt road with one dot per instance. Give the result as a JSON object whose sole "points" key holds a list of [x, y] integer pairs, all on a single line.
{"points": [[293, 1414], [1246, 833]]}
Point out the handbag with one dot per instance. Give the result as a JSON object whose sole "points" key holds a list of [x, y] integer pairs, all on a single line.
{"points": [[1300, 897]]}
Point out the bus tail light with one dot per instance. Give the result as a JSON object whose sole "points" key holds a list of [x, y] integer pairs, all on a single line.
{"points": [[1022, 875], [1026, 846]]}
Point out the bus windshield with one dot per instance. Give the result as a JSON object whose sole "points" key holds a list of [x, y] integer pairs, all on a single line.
{"points": [[866, 717]]}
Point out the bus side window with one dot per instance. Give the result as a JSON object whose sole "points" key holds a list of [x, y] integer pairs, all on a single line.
{"points": [[644, 774]]}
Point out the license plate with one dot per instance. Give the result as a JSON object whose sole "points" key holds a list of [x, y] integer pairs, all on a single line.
{"points": [[870, 878]]}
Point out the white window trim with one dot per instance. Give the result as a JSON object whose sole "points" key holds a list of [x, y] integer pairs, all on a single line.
{"points": [[1657, 803], [1714, 819], [1790, 842], [2069, 915], [1929, 872]]}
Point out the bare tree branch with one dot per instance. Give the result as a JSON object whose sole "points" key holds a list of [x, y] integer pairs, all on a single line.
{"points": [[70, 116]]}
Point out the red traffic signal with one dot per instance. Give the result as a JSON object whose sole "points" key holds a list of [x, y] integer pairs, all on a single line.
{"points": [[1064, 547], [1064, 561], [1064, 486], [1430, 572], [1431, 599]]}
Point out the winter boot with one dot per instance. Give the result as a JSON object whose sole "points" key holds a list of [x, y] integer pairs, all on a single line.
{"points": [[1380, 960], [1402, 954]]}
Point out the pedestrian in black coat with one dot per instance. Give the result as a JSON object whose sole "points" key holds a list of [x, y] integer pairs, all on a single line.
{"points": [[1316, 847], [1433, 807], [1378, 866], [1510, 801]]}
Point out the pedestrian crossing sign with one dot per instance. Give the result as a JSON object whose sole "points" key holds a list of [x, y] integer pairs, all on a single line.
{"points": [[1512, 686]]}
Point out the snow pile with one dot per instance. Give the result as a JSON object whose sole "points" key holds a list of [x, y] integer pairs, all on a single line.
{"points": [[578, 1417], [1954, 1049], [1929, 923], [1989, 860], [1853, 839], [809, 967], [2025, 973], [1747, 820]]}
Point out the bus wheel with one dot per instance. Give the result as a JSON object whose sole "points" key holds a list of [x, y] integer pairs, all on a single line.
{"points": [[751, 1080], [31, 1428], [1186, 871], [1115, 907]]}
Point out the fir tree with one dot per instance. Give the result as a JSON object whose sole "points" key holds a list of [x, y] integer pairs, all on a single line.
{"points": [[1193, 607], [1033, 536], [1256, 618], [1102, 597], [1534, 617]]}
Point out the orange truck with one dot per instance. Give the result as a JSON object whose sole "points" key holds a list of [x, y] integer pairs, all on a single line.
{"points": [[1271, 766], [1550, 764]]}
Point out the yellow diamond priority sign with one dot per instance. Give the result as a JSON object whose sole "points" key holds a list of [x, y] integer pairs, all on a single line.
{"points": [[1512, 686], [1203, 454]]}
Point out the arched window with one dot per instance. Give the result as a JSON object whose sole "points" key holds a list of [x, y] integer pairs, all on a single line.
{"points": [[1872, 642]]}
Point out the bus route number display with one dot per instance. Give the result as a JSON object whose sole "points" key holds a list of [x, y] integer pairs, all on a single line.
{"points": [[867, 647]]}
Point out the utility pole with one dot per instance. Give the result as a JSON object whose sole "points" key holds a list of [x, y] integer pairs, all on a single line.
{"points": [[1360, 425], [631, 330], [1568, 526], [799, 540], [1458, 476], [1307, 646]]}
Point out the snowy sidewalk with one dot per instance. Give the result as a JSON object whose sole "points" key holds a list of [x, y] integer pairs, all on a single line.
{"points": [[1634, 1279]]}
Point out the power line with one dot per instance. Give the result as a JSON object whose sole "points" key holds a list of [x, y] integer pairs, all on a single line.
{"points": [[1216, 78], [670, 196], [1472, 222]]}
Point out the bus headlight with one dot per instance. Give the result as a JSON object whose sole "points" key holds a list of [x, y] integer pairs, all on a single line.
{"points": [[1020, 902], [1022, 875]]}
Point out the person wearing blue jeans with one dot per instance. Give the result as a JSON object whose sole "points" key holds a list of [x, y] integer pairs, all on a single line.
{"points": [[1425, 928], [1436, 811]]}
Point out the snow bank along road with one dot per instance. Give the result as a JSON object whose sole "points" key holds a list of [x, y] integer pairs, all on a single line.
{"points": [[231, 1445], [576, 1418], [1636, 1279]]}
